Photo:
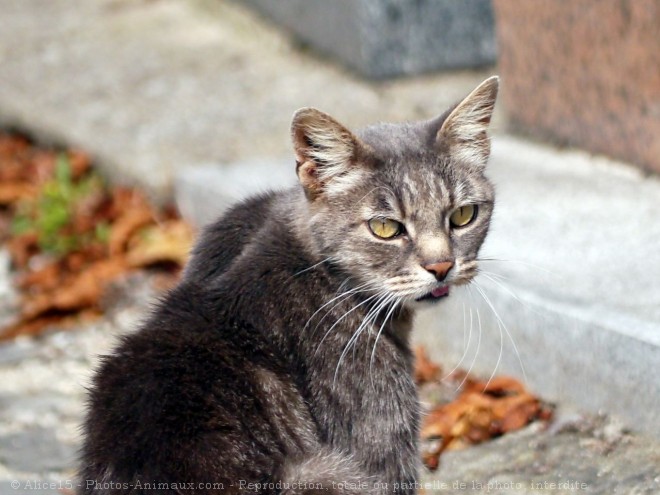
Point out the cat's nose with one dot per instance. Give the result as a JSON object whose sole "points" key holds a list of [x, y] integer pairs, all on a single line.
{"points": [[440, 270]]}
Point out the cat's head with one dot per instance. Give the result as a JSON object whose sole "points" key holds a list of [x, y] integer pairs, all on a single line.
{"points": [[400, 209]]}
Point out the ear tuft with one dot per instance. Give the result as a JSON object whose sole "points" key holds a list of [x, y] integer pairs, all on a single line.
{"points": [[464, 131], [326, 151]]}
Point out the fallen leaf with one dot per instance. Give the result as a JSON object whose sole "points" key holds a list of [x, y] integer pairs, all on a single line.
{"points": [[13, 192], [76, 291], [22, 248], [499, 386], [167, 242], [44, 279], [133, 218], [35, 327], [425, 369], [78, 234], [80, 163], [480, 412]]}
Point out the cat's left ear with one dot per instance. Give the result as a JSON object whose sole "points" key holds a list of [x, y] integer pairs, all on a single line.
{"points": [[463, 134], [326, 152]]}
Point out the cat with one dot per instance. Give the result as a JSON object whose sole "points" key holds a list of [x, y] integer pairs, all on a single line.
{"points": [[281, 362]]}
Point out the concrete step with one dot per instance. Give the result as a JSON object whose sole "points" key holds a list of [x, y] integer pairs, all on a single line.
{"points": [[577, 287], [569, 295]]}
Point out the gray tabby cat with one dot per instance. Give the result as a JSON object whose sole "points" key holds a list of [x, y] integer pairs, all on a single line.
{"points": [[281, 362]]}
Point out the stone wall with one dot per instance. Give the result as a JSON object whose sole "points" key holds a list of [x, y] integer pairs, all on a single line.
{"points": [[385, 38], [584, 73]]}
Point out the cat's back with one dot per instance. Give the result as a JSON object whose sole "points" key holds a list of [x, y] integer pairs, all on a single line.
{"points": [[223, 240], [200, 388], [162, 406]]}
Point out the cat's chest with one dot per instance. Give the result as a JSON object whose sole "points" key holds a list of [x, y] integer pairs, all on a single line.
{"points": [[355, 371], [365, 400]]}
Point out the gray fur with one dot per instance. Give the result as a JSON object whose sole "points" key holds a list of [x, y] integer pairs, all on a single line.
{"points": [[283, 355]]}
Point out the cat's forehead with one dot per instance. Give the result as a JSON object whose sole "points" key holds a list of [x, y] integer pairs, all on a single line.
{"points": [[408, 160], [394, 140], [407, 193], [407, 152], [414, 176]]}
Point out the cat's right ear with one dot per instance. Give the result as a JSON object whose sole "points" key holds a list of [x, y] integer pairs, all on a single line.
{"points": [[463, 134], [326, 152]]}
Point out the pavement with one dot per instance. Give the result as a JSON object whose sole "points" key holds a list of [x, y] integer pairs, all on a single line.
{"points": [[193, 100]]}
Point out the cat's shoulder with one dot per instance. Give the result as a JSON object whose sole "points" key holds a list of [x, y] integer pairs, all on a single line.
{"points": [[223, 240]]}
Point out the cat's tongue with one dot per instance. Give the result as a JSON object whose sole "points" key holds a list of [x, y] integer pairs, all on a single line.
{"points": [[440, 291]]}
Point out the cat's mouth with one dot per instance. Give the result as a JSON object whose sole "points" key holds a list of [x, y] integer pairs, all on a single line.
{"points": [[435, 294]]}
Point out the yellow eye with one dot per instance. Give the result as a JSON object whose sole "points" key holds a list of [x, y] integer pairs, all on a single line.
{"points": [[463, 215], [385, 228]]}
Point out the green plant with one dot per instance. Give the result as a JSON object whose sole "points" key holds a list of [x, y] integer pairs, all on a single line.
{"points": [[51, 214]]}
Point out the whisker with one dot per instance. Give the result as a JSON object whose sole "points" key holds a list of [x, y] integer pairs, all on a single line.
{"points": [[382, 326], [383, 295], [511, 293], [493, 274], [488, 275], [520, 262], [312, 267], [466, 348], [515, 347], [476, 354], [371, 315], [347, 347], [380, 330], [372, 190], [343, 296], [341, 286], [341, 318], [464, 324], [499, 357]]}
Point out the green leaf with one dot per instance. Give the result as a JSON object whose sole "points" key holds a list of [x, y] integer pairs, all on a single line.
{"points": [[21, 224], [63, 170], [102, 232]]}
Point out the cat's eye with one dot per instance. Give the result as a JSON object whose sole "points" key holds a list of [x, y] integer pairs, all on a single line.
{"points": [[385, 228], [463, 216]]}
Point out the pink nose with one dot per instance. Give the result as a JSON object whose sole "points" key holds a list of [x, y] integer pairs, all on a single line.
{"points": [[440, 270]]}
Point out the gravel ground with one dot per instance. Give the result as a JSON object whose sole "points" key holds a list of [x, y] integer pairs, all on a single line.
{"points": [[42, 389]]}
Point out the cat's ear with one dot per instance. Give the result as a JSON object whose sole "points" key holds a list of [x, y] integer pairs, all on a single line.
{"points": [[326, 152], [463, 134]]}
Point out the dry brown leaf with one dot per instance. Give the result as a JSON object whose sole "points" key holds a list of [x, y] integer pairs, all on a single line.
{"points": [[515, 412], [80, 163], [458, 443], [11, 145], [425, 369], [439, 422], [44, 279], [12, 192], [77, 291], [167, 242], [73, 283], [131, 220], [22, 248], [499, 386], [37, 326], [482, 411]]}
